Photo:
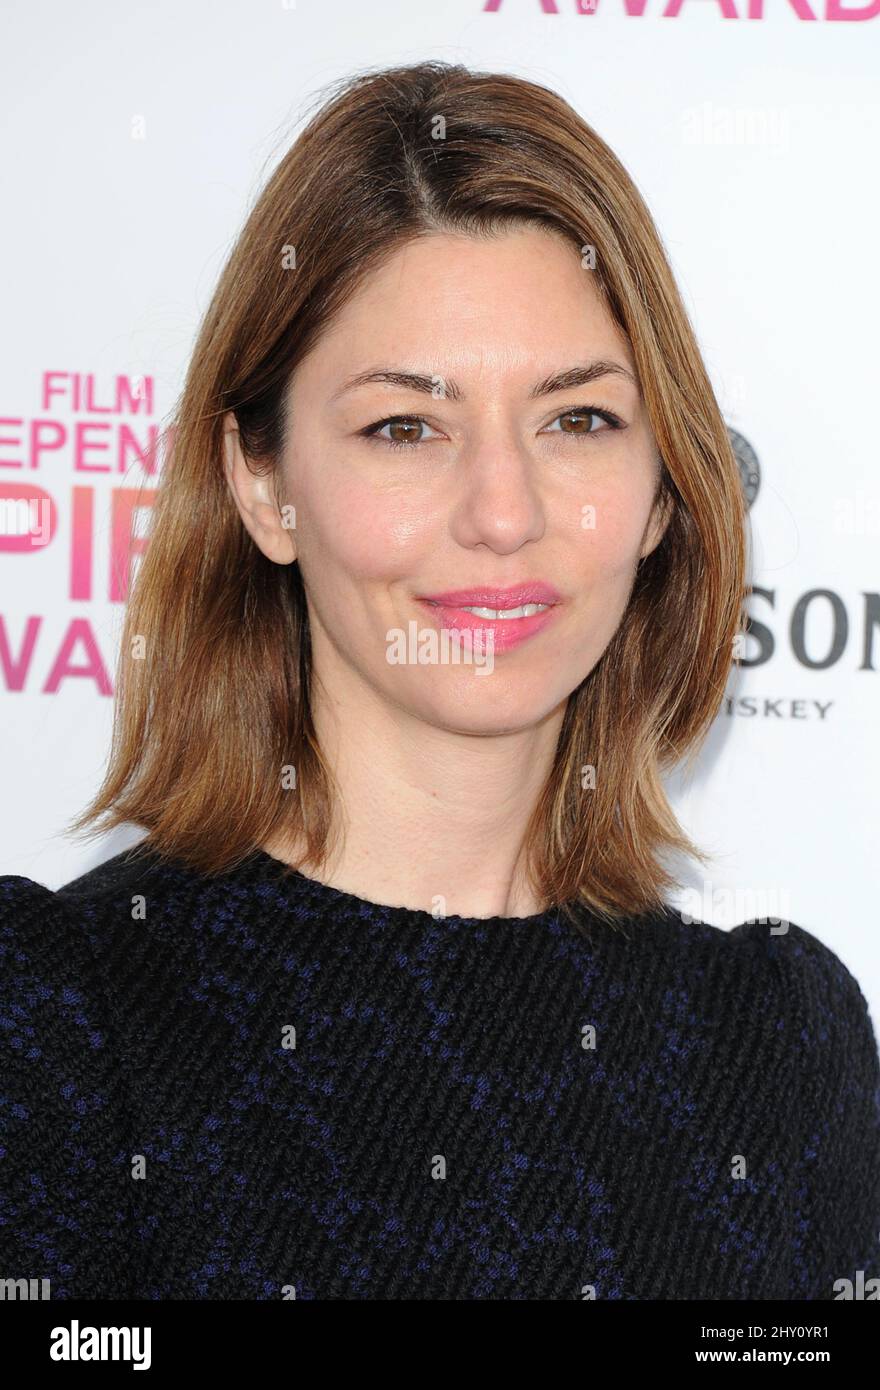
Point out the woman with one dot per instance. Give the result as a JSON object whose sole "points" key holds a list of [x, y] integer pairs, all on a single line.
{"points": [[446, 567]]}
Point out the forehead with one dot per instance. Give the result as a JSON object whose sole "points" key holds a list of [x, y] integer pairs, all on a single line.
{"points": [[459, 304]]}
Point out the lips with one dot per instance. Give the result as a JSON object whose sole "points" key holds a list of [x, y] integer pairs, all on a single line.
{"points": [[450, 610]]}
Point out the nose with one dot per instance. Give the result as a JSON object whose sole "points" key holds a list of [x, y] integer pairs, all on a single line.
{"points": [[497, 499]]}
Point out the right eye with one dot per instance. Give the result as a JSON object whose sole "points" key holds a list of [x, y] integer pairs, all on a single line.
{"points": [[408, 424]]}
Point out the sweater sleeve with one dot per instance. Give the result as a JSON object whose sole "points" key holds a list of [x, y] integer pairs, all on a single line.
{"points": [[64, 1170], [837, 1177]]}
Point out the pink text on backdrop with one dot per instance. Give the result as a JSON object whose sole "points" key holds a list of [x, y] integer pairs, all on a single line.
{"points": [[87, 428], [87, 445], [124, 543], [78, 654], [78, 638], [727, 9]]}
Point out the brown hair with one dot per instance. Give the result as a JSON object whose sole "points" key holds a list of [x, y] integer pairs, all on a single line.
{"points": [[206, 723]]}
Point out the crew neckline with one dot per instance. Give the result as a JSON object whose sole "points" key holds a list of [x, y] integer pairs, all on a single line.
{"points": [[277, 871]]}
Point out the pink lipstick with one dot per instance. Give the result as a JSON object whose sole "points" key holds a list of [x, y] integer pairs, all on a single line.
{"points": [[452, 610]]}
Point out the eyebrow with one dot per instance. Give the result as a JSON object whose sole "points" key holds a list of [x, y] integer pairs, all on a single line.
{"points": [[582, 375]]}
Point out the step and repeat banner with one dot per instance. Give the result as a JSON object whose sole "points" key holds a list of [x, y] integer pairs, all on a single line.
{"points": [[137, 136]]}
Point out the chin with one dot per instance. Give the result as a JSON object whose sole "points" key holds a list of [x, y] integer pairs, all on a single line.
{"points": [[488, 705]]}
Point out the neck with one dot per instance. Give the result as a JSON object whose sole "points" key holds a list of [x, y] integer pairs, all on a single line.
{"points": [[427, 818]]}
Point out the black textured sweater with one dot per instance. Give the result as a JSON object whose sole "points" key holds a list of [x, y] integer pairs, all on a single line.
{"points": [[256, 1086]]}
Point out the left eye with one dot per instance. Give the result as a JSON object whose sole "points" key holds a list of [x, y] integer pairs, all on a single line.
{"points": [[581, 415]]}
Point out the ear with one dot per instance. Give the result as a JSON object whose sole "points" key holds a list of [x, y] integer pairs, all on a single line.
{"points": [[661, 515], [254, 496]]}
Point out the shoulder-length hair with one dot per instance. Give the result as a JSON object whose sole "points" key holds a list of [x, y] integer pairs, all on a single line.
{"points": [[213, 701]]}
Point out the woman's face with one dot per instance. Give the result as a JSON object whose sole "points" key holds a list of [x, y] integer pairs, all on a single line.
{"points": [[499, 482]]}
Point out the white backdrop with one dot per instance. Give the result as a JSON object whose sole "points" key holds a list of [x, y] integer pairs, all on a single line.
{"points": [[137, 134]]}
